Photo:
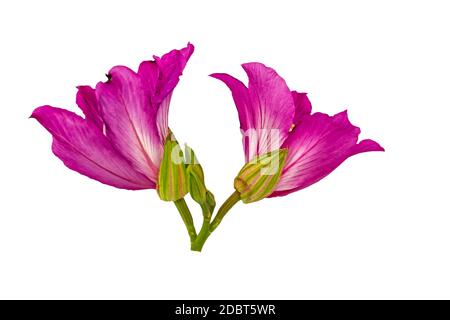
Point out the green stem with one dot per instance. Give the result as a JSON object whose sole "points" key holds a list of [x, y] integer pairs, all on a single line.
{"points": [[187, 218], [204, 233], [226, 206], [207, 227]]}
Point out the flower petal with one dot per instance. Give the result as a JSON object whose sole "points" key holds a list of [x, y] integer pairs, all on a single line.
{"points": [[245, 111], [317, 146], [87, 102], [241, 99], [266, 107], [170, 66], [271, 98], [83, 148], [159, 78], [149, 73], [130, 120], [302, 106]]}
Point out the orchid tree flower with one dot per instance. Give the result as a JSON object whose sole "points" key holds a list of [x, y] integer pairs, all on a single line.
{"points": [[124, 139], [286, 147]]}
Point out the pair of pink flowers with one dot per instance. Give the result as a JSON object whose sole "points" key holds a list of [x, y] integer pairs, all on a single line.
{"points": [[123, 139]]}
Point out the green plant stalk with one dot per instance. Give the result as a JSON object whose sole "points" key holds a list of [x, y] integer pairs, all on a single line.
{"points": [[187, 218], [207, 227], [226, 206], [204, 233]]}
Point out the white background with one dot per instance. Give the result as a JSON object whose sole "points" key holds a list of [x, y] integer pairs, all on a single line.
{"points": [[377, 227]]}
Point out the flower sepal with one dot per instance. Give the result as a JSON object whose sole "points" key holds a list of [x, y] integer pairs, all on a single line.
{"points": [[172, 178], [259, 177], [196, 181]]}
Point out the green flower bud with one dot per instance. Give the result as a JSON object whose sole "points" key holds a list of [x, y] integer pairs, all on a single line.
{"points": [[196, 183], [258, 177], [196, 177], [210, 201], [172, 179]]}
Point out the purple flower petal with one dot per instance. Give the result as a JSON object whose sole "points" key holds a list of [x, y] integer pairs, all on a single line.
{"points": [[245, 111], [170, 66], [267, 107], [87, 102], [130, 120], [149, 73], [239, 91], [271, 97], [81, 145], [317, 146], [302, 106], [160, 78]]}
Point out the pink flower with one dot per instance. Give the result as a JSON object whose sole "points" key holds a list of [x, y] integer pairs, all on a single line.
{"points": [[272, 117], [120, 142]]}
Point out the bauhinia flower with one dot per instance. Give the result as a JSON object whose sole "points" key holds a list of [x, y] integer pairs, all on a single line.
{"points": [[124, 139], [286, 147]]}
